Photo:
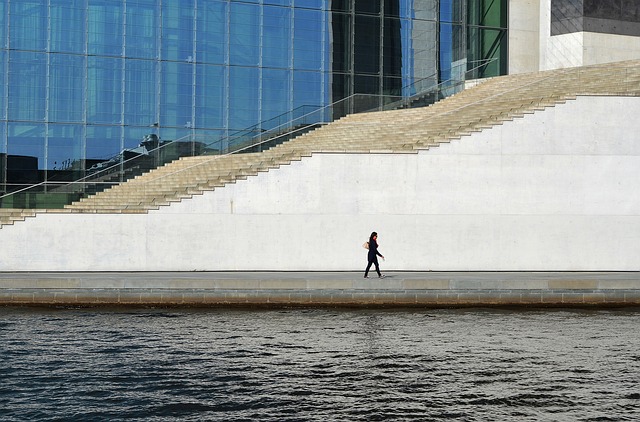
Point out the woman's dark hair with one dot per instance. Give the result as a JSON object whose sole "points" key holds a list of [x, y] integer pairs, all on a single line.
{"points": [[372, 234]]}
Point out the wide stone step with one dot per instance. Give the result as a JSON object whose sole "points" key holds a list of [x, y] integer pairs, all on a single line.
{"points": [[485, 105]]}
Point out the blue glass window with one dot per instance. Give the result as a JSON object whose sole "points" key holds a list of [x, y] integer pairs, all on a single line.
{"points": [[67, 26], [66, 88], [212, 34], [306, 88], [173, 134], [132, 136], [4, 17], [140, 100], [210, 96], [307, 44], [27, 139], [27, 86], [277, 40], [244, 84], [312, 4], [446, 50], [25, 156], [176, 94], [28, 25], [276, 86], [177, 32], [104, 90], [141, 29], [103, 142], [244, 40], [3, 73], [105, 28], [64, 146]]}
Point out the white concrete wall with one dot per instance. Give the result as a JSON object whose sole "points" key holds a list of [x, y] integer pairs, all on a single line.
{"points": [[524, 36], [532, 48], [558, 51], [606, 48], [561, 51], [557, 190], [587, 48]]}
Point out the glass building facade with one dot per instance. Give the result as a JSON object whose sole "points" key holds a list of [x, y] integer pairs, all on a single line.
{"points": [[85, 80]]}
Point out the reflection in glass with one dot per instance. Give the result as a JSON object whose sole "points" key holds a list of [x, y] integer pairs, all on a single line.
{"points": [[140, 88], [28, 29], [243, 97], [105, 28], [104, 90], [67, 26], [244, 34], [487, 37], [27, 86], [65, 93], [64, 146], [88, 80], [277, 43]]}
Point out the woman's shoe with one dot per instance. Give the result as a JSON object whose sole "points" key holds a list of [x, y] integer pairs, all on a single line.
{"points": [[382, 276]]}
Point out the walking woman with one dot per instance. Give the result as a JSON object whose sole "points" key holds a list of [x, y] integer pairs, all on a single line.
{"points": [[373, 255]]}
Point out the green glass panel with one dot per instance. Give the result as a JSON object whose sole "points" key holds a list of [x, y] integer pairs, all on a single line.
{"points": [[491, 13]]}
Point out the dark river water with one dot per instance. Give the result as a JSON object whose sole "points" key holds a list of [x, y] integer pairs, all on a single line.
{"points": [[319, 365]]}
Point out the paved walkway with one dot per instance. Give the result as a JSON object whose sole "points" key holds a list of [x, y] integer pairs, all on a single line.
{"points": [[321, 289]]}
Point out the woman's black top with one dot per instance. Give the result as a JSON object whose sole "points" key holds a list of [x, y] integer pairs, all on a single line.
{"points": [[373, 249]]}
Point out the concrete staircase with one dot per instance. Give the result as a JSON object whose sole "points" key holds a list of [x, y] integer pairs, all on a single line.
{"points": [[9, 216], [492, 102]]}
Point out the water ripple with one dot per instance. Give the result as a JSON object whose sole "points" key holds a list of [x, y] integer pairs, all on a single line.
{"points": [[318, 365]]}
